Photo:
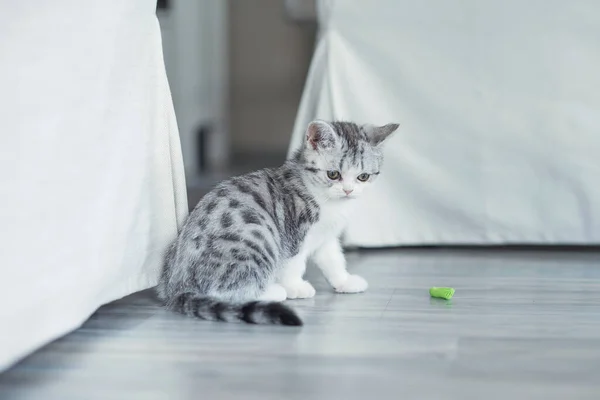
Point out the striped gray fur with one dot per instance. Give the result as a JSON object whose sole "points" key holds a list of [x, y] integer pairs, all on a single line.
{"points": [[236, 240]]}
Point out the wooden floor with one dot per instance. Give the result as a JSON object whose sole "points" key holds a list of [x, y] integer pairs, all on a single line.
{"points": [[522, 325]]}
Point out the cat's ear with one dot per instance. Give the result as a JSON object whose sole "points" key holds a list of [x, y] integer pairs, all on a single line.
{"points": [[378, 134], [320, 134]]}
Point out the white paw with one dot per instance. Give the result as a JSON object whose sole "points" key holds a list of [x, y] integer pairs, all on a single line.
{"points": [[353, 284], [274, 292], [299, 290]]}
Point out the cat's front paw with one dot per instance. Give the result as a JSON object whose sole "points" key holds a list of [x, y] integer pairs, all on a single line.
{"points": [[352, 284], [299, 289]]}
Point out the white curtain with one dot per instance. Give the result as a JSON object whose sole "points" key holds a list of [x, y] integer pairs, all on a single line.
{"points": [[92, 183], [498, 103]]}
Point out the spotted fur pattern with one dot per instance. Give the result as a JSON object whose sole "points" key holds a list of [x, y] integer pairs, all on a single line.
{"points": [[232, 253]]}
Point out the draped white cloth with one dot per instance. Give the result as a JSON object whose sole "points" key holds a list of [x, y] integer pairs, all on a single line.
{"points": [[498, 104], [92, 183]]}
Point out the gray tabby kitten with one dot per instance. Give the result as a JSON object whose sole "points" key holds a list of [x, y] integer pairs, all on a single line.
{"points": [[244, 248]]}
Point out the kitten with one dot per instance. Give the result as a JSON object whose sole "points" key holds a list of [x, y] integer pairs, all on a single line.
{"points": [[244, 248]]}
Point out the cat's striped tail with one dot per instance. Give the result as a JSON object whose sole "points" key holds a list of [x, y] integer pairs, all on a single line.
{"points": [[253, 312]]}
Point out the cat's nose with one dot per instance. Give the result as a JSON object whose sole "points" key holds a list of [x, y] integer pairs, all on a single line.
{"points": [[348, 191]]}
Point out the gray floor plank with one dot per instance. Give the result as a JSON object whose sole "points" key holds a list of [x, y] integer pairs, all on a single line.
{"points": [[523, 324]]}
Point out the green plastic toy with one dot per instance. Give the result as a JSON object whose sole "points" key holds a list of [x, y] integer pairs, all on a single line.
{"points": [[442, 292]]}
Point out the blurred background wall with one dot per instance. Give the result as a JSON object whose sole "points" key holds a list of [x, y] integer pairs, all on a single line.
{"points": [[236, 70], [269, 58]]}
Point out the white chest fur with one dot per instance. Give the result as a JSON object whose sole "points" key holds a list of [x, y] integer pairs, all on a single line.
{"points": [[320, 247], [332, 220]]}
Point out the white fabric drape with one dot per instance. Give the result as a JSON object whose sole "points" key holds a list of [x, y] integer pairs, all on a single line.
{"points": [[92, 183], [498, 104]]}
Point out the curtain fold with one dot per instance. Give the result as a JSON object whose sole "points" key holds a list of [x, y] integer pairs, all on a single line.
{"points": [[497, 101], [92, 177]]}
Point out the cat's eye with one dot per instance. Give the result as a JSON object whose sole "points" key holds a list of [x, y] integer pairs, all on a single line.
{"points": [[333, 175], [363, 177]]}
